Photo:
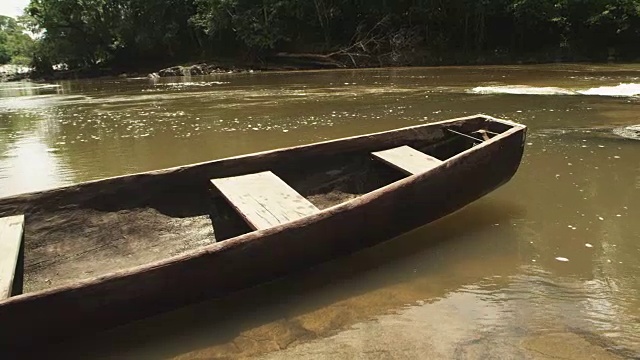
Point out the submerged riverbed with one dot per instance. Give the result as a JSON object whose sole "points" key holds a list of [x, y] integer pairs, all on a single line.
{"points": [[545, 267]]}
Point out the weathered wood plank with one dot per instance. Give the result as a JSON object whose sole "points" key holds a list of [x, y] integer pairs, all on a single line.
{"points": [[263, 199], [11, 232], [407, 159]]}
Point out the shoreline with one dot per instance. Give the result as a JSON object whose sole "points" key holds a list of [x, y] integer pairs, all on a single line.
{"points": [[279, 62], [10, 72]]}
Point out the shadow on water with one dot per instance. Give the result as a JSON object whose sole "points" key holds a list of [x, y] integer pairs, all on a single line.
{"points": [[218, 322]]}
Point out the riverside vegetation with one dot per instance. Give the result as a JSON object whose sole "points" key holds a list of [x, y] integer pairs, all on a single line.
{"points": [[16, 48], [133, 35]]}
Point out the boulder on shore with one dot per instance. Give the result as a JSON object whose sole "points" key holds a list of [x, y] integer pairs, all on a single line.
{"points": [[197, 69], [280, 61], [172, 71]]}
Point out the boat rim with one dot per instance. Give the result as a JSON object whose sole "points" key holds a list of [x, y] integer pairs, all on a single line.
{"points": [[240, 240]]}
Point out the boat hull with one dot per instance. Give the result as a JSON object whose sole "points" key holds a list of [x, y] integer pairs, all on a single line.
{"points": [[255, 257]]}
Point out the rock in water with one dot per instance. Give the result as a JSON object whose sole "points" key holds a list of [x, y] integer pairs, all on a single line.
{"points": [[196, 70], [172, 71]]}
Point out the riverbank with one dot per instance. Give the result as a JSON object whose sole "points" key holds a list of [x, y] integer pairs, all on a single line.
{"points": [[304, 61], [277, 62], [11, 72]]}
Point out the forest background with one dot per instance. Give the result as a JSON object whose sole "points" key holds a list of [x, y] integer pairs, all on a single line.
{"points": [[128, 35]]}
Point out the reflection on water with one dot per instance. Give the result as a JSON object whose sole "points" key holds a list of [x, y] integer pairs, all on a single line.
{"points": [[485, 282], [27, 163], [32, 166]]}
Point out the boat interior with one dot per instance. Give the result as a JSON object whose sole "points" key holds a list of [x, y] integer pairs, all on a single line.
{"points": [[97, 228]]}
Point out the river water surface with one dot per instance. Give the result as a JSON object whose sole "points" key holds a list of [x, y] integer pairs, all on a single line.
{"points": [[547, 267]]}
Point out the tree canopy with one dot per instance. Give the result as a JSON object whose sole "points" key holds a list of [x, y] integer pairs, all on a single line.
{"points": [[15, 45], [90, 33]]}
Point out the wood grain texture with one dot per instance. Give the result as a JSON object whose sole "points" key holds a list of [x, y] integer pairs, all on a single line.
{"points": [[407, 159], [264, 200], [11, 230]]}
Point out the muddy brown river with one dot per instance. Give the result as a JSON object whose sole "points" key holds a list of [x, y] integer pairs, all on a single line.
{"points": [[546, 267]]}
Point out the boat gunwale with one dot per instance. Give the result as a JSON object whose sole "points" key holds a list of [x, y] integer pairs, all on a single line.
{"points": [[242, 240]]}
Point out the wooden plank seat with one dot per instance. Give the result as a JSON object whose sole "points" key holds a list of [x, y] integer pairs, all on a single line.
{"points": [[407, 159], [263, 199], [11, 235]]}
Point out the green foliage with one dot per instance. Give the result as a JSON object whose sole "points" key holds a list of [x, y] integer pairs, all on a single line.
{"points": [[5, 54], [93, 33], [15, 44], [81, 32], [259, 24]]}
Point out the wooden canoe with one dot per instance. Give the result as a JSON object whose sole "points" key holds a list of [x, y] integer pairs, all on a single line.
{"points": [[111, 251]]}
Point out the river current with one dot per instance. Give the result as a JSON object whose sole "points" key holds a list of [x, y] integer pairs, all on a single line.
{"points": [[545, 267]]}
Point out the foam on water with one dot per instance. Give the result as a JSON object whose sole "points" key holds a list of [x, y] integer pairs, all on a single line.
{"points": [[191, 83], [629, 132], [30, 86], [521, 90], [621, 90]]}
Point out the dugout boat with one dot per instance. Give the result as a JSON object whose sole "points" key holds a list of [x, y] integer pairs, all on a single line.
{"points": [[87, 257]]}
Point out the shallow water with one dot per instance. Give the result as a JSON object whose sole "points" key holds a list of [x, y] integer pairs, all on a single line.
{"points": [[545, 267]]}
